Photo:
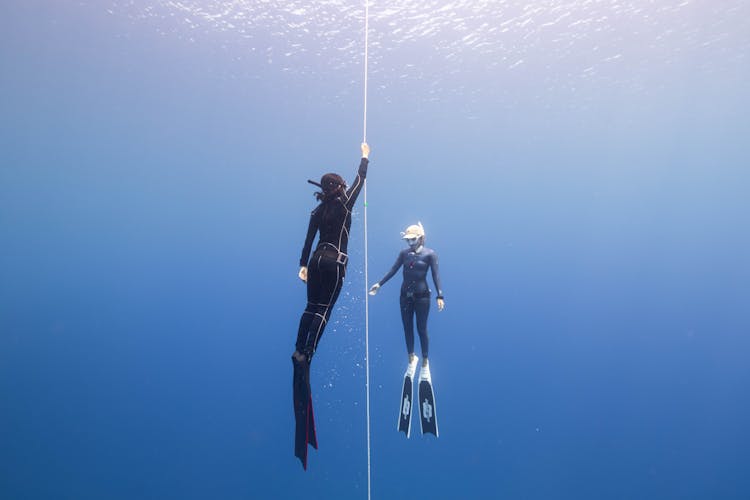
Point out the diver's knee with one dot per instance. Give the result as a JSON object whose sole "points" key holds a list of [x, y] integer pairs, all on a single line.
{"points": [[302, 357], [300, 362]]}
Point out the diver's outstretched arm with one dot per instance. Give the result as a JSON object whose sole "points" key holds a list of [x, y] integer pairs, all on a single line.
{"points": [[399, 261]]}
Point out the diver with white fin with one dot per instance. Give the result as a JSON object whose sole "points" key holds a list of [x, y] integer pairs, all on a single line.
{"points": [[415, 303]]}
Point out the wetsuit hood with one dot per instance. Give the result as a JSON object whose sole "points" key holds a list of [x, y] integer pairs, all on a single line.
{"points": [[330, 184]]}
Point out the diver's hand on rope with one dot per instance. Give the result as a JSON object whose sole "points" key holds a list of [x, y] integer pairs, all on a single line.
{"points": [[374, 289], [303, 273], [440, 304], [365, 150]]}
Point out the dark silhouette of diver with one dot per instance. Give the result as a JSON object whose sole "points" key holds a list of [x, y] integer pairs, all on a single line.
{"points": [[324, 274], [415, 293]]}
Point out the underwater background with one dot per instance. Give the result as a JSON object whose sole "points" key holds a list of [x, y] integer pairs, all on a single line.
{"points": [[580, 167]]}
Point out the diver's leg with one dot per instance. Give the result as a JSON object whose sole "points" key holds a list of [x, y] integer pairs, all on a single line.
{"points": [[314, 283], [320, 305], [321, 286], [407, 318], [422, 310], [335, 288]]}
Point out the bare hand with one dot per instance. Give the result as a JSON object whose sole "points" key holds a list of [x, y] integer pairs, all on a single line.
{"points": [[440, 304], [374, 289], [303, 273], [365, 150]]}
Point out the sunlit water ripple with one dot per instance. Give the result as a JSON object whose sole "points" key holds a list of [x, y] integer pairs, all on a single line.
{"points": [[558, 45]]}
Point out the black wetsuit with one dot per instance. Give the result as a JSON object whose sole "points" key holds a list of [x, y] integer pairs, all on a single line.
{"points": [[415, 294], [325, 277], [327, 266]]}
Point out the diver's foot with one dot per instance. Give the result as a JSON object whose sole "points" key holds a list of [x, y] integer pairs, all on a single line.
{"points": [[411, 369], [425, 363]]}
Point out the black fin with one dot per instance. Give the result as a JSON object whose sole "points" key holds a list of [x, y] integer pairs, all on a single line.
{"points": [[302, 411]]}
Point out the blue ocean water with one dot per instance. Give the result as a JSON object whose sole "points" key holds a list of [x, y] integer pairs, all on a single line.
{"points": [[580, 167]]}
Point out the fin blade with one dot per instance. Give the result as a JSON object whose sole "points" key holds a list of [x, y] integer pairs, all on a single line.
{"points": [[427, 408]]}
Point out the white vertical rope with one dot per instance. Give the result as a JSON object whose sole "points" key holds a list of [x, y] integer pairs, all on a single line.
{"points": [[367, 29], [367, 300]]}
